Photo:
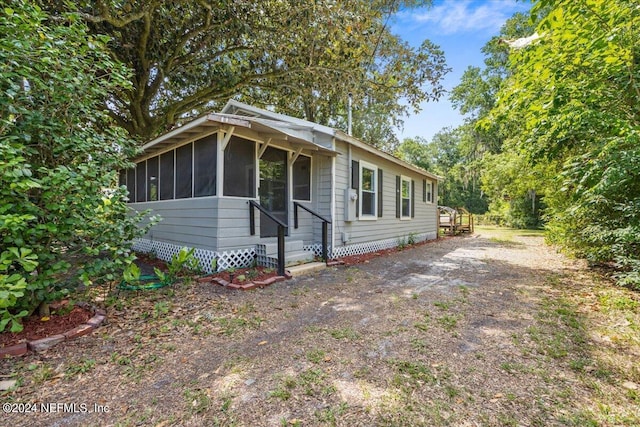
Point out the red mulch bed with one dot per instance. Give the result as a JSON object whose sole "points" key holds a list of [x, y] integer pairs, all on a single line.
{"points": [[34, 328], [147, 263], [253, 274], [364, 258]]}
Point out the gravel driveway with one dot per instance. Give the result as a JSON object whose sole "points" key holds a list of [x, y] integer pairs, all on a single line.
{"points": [[469, 331]]}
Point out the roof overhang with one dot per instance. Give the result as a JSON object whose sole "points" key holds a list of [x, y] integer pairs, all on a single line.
{"points": [[366, 147], [262, 130]]}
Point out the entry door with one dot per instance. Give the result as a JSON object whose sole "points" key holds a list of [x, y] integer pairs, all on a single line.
{"points": [[273, 189]]}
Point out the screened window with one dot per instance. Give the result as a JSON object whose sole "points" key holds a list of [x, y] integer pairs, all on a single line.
{"points": [[406, 197], [239, 168], [131, 184], [368, 190], [430, 192], [166, 175], [141, 181], [204, 166], [302, 178], [184, 167], [152, 178]]}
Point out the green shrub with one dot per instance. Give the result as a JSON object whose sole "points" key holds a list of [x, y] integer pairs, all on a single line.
{"points": [[63, 221]]}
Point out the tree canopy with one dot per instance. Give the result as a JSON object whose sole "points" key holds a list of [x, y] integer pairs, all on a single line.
{"points": [[571, 110], [301, 57]]}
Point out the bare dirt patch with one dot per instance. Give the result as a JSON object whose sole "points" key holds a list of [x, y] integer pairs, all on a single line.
{"points": [[494, 329]]}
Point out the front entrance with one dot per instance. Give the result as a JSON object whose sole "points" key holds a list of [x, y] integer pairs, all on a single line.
{"points": [[273, 189]]}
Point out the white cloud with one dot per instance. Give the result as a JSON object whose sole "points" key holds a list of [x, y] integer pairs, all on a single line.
{"points": [[461, 16]]}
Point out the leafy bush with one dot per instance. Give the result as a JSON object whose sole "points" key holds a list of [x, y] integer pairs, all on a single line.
{"points": [[62, 221]]}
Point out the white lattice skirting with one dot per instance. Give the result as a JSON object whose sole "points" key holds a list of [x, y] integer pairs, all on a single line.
{"points": [[246, 257], [225, 260], [377, 245]]}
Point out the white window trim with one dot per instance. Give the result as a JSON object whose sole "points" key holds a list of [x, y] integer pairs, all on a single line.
{"points": [[429, 191], [404, 179], [310, 180], [374, 168]]}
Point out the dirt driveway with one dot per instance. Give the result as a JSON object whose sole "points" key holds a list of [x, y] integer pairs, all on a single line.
{"points": [[494, 329]]}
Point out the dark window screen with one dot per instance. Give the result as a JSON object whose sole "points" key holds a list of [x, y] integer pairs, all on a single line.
{"points": [[152, 178], [131, 184], [140, 181], [166, 175], [302, 178], [239, 168], [204, 172], [184, 168], [122, 177]]}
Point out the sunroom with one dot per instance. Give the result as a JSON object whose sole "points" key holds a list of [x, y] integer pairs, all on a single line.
{"points": [[226, 184]]}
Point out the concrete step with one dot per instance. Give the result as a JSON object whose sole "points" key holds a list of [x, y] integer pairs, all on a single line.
{"points": [[310, 267], [291, 258], [297, 257], [271, 249]]}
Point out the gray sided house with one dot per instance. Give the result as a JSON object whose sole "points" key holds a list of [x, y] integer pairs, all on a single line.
{"points": [[219, 182]]}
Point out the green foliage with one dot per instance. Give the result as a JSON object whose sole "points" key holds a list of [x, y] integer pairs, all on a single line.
{"points": [[131, 274], [61, 221], [303, 58], [454, 155], [570, 110]]}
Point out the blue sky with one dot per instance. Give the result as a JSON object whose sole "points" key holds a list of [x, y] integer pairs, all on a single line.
{"points": [[461, 28]]}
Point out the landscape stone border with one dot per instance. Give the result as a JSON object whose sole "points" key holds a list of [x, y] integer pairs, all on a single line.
{"points": [[246, 286], [43, 344]]}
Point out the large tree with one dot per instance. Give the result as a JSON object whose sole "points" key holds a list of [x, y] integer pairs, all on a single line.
{"points": [[301, 57]]}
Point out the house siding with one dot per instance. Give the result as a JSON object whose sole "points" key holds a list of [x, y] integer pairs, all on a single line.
{"points": [[185, 222], [388, 226]]}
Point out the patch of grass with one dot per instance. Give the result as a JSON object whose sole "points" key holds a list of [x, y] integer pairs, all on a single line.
{"points": [[505, 419], [303, 290], [313, 329], [419, 344], [508, 242], [448, 322], [610, 302], [560, 330], [361, 372], [283, 390], [233, 325], [581, 418], [313, 382], [330, 415], [197, 401], [345, 333], [315, 355], [443, 305], [424, 324], [464, 290], [120, 360], [42, 373], [412, 374], [350, 274], [280, 393], [160, 309], [84, 366]]}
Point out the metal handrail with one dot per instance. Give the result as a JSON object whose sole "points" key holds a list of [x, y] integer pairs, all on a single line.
{"points": [[281, 230], [325, 221], [297, 205]]}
